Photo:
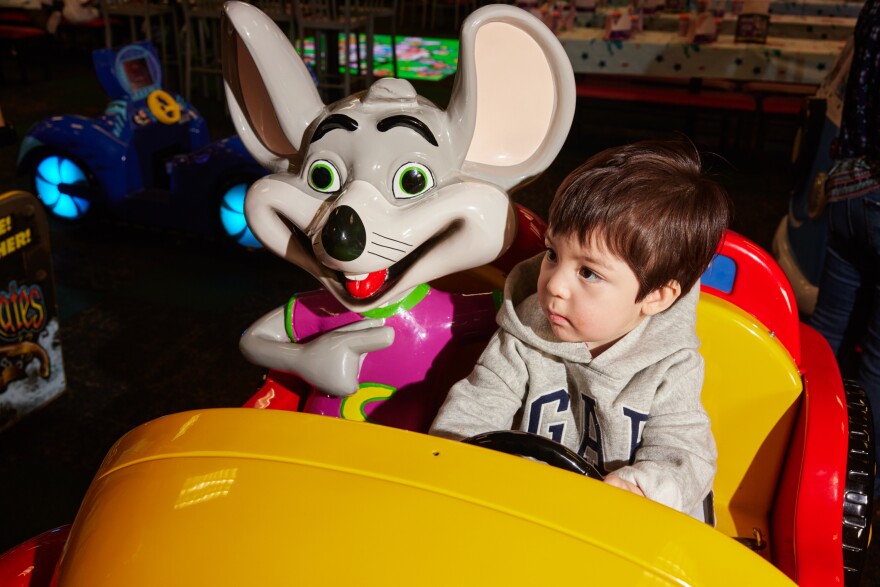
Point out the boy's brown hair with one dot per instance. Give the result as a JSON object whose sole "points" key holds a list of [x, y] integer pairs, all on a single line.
{"points": [[651, 206]]}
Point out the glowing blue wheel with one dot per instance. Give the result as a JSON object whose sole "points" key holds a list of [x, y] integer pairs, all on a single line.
{"points": [[232, 216], [63, 187]]}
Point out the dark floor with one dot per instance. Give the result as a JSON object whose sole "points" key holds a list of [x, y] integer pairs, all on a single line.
{"points": [[150, 320]]}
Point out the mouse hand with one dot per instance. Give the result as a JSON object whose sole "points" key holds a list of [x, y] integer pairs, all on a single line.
{"points": [[334, 359]]}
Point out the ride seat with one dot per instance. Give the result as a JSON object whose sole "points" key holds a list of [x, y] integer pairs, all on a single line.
{"points": [[751, 391], [755, 394]]}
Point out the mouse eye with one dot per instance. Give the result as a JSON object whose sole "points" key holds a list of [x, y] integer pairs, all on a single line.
{"points": [[411, 180], [323, 176]]}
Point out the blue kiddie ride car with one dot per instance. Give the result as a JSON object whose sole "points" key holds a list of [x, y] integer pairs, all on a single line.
{"points": [[147, 159]]}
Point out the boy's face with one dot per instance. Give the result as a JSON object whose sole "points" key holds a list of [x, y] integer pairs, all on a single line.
{"points": [[587, 293]]}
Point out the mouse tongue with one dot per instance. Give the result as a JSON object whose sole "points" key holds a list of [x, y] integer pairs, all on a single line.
{"points": [[364, 288]]}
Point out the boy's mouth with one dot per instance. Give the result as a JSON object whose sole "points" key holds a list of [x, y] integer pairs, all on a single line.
{"points": [[557, 319]]}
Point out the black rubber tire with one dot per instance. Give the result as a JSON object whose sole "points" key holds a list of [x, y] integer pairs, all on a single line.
{"points": [[858, 497]]}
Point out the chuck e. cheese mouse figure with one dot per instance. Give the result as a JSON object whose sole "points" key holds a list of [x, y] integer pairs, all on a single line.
{"points": [[377, 195]]}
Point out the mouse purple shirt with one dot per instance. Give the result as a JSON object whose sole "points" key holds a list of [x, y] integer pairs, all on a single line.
{"points": [[404, 384]]}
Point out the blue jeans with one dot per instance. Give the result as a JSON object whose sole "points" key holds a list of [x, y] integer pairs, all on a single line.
{"points": [[848, 308]]}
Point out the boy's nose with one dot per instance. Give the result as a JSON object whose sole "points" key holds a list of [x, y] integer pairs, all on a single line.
{"points": [[556, 285]]}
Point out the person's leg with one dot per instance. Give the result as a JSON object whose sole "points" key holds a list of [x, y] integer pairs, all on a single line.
{"points": [[869, 368], [852, 227], [840, 281]]}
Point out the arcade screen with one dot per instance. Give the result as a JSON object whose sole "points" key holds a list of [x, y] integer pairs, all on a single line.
{"points": [[423, 58], [138, 73]]}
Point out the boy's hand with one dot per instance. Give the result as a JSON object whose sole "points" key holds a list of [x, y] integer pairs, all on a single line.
{"points": [[616, 481]]}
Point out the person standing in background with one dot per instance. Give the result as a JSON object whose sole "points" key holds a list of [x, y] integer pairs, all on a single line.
{"points": [[849, 288]]}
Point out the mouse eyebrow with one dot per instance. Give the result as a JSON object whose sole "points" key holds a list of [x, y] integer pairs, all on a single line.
{"points": [[409, 122], [333, 122]]}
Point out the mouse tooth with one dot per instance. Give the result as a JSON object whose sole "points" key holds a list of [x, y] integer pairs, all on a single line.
{"points": [[356, 276]]}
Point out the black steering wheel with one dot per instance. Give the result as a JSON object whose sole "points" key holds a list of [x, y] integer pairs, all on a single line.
{"points": [[526, 444]]}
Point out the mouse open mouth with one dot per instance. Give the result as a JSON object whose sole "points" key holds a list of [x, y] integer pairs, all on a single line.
{"points": [[369, 285], [365, 286]]}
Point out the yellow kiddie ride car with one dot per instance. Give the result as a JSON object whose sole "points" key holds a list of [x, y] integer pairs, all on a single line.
{"points": [[269, 497]]}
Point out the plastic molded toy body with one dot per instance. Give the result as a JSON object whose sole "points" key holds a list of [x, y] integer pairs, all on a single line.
{"points": [[404, 370], [195, 488], [147, 160], [383, 192], [223, 497]]}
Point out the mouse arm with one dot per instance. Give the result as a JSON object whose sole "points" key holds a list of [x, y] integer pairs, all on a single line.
{"points": [[329, 362]]}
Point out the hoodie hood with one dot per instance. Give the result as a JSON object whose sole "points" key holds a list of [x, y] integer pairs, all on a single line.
{"points": [[655, 338]]}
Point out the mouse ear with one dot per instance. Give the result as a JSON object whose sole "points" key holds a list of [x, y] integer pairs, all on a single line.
{"points": [[514, 96], [271, 95]]}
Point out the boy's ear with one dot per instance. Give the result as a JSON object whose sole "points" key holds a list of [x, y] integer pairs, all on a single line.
{"points": [[661, 298]]}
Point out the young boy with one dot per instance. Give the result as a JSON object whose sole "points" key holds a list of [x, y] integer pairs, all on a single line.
{"points": [[597, 346]]}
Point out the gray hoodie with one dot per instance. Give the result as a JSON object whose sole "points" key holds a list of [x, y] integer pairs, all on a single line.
{"points": [[634, 410]]}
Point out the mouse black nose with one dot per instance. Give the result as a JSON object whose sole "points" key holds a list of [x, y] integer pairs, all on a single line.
{"points": [[344, 237]]}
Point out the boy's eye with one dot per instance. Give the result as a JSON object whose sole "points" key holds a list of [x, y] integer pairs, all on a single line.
{"points": [[323, 176], [411, 180], [587, 273], [551, 254]]}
